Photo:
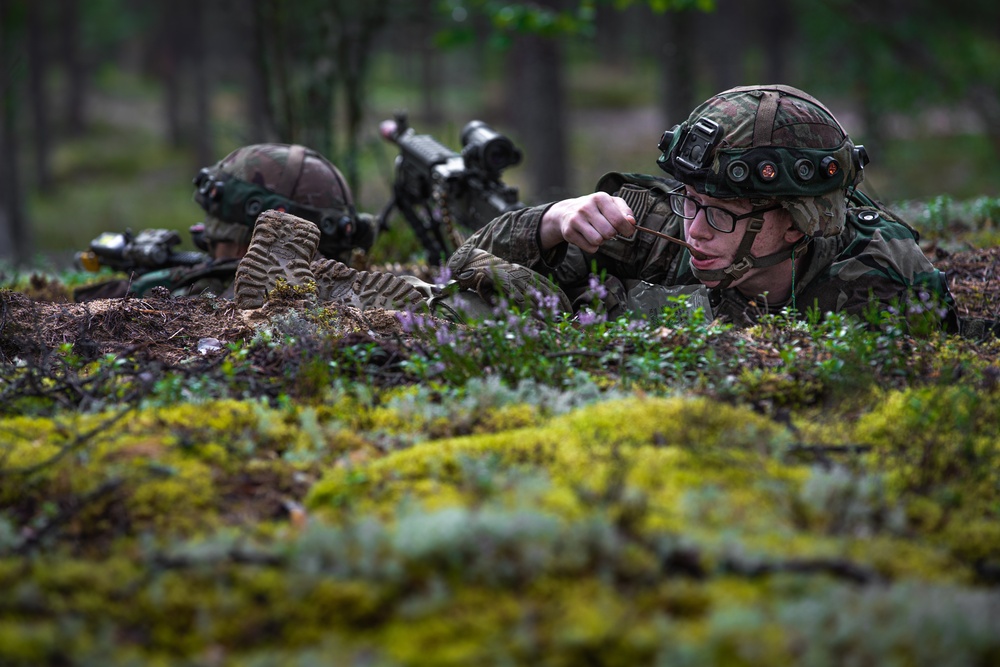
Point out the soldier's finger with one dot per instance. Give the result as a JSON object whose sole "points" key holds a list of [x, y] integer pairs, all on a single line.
{"points": [[583, 235], [620, 215], [609, 219]]}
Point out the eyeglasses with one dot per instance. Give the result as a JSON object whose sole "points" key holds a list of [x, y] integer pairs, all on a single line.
{"points": [[719, 218]]}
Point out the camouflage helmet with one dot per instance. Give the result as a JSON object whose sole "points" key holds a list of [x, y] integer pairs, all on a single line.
{"points": [[768, 142], [285, 177]]}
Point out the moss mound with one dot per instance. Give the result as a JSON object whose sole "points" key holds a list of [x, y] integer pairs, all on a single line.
{"points": [[638, 531]]}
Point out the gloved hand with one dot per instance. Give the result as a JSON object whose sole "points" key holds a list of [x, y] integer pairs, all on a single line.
{"points": [[489, 276]]}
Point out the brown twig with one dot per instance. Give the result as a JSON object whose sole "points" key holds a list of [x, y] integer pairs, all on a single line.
{"points": [[694, 253]]}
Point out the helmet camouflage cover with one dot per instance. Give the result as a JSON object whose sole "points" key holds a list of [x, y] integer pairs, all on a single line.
{"points": [[286, 177], [768, 143]]}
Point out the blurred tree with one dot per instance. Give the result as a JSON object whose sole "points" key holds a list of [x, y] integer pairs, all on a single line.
{"points": [[15, 238], [308, 50], [202, 107], [430, 63], [535, 34], [678, 71], [73, 65], [38, 96], [535, 94], [168, 49], [179, 58], [904, 55]]}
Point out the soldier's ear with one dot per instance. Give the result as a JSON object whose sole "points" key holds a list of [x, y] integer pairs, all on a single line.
{"points": [[793, 235]]}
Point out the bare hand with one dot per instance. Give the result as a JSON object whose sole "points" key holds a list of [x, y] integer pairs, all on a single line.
{"points": [[586, 222]]}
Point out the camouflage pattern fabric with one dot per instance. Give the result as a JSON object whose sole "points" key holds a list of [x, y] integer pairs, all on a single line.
{"points": [[491, 277], [781, 126], [875, 256]]}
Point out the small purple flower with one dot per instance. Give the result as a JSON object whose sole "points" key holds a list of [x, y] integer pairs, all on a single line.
{"points": [[406, 320], [596, 289], [443, 277], [444, 336], [588, 317]]}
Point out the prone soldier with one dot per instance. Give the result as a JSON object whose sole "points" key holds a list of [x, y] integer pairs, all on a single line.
{"points": [[233, 192], [760, 210]]}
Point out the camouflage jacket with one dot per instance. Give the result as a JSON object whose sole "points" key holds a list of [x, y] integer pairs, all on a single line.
{"points": [[874, 257]]}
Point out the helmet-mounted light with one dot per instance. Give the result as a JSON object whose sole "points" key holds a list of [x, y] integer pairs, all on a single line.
{"points": [[770, 154]]}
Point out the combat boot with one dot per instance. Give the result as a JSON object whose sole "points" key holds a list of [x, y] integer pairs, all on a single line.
{"points": [[282, 246], [337, 282]]}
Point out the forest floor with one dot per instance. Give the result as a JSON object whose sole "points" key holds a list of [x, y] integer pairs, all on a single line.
{"points": [[183, 481], [167, 329]]}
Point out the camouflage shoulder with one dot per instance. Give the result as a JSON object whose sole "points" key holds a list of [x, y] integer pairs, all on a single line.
{"points": [[864, 207], [613, 181]]}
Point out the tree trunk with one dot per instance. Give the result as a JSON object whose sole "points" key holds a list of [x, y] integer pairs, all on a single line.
{"points": [[777, 31], [259, 110], [430, 65], [678, 93], [38, 96], [15, 238], [535, 93], [74, 67], [727, 30], [610, 35], [357, 29], [170, 46], [202, 89]]}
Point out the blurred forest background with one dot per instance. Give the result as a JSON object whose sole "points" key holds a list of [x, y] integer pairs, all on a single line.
{"points": [[109, 107]]}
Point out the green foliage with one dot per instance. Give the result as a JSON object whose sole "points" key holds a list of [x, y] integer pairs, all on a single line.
{"points": [[531, 489], [944, 219], [105, 183], [545, 346], [511, 18]]}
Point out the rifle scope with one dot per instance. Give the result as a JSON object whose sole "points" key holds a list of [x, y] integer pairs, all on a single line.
{"points": [[486, 149]]}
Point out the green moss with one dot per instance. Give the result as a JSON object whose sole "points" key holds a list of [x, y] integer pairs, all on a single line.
{"points": [[677, 530]]}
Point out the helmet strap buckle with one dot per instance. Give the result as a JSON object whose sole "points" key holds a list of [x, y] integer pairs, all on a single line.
{"points": [[738, 268]]}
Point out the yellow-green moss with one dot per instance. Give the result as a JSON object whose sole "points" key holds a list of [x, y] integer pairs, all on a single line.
{"points": [[622, 533]]}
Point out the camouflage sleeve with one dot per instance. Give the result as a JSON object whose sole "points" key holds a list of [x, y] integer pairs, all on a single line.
{"points": [[882, 265], [513, 236]]}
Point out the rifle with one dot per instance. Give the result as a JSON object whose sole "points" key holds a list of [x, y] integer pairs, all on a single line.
{"points": [[149, 250], [443, 194]]}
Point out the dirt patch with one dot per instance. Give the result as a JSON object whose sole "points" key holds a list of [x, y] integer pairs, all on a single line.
{"points": [[974, 279], [164, 328]]}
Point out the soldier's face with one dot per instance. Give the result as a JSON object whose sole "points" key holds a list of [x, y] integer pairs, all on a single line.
{"points": [[720, 248]]}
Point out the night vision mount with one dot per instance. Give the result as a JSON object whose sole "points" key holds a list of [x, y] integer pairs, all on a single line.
{"points": [[691, 154], [231, 199]]}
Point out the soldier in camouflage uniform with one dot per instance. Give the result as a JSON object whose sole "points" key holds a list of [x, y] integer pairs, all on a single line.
{"points": [[233, 192], [761, 211]]}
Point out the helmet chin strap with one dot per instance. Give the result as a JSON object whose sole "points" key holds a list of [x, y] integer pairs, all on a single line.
{"points": [[744, 261]]}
